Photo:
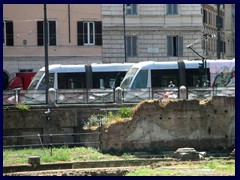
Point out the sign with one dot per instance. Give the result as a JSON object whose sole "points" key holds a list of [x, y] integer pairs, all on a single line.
{"points": [[153, 50]]}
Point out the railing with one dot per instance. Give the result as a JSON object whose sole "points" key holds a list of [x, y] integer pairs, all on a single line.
{"points": [[137, 95], [99, 96], [85, 96], [24, 97], [53, 140]]}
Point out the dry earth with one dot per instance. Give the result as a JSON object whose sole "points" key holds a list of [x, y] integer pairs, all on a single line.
{"points": [[176, 168]]}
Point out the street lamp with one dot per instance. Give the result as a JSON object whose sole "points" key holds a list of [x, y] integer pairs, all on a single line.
{"points": [[46, 50], [124, 34], [124, 30]]}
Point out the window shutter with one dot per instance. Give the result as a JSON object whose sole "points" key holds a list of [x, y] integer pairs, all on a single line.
{"points": [[40, 33], [175, 9], [180, 46], [80, 33], [134, 46], [128, 46], [169, 46], [52, 33], [134, 9], [98, 33], [9, 33], [168, 8]]}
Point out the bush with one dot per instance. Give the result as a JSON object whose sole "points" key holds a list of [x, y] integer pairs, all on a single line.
{"points": [[125, 112], [95, 118]]}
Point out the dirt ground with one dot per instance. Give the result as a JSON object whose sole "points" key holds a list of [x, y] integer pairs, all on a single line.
{"points": [[175, 169]]}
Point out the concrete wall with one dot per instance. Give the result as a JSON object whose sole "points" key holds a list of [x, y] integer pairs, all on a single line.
{"points": [[179, 123]]}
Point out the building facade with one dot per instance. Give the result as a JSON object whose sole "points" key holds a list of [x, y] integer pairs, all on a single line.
{"points": [[161, 32], [75, 36]]}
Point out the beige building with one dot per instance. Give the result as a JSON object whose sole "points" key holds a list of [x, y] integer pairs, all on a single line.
{"points": [[162, 32], [74, 35], [229, 30]]}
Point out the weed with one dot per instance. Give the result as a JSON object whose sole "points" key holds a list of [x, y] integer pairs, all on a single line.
{"points": [[125, 112], [6, 108], [22, 107], [95, 119]]}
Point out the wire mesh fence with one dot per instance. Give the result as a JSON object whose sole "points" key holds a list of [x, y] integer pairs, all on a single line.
{"points": [[88, 139]]}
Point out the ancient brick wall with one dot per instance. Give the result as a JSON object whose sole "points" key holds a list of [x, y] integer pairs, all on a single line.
{"points": [[182, 123]]}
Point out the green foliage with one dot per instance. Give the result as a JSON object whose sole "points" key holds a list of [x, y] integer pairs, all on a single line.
{"points": [[219, 165], [125, 112], [141, 172], [6, 108], [191, 169], [96, 118], [22, 107], [93, 120], [61, 154]]}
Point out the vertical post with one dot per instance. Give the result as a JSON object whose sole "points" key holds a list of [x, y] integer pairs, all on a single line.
{"points": [[218, 31], [46, 50], [100, 132], [69, 24], [124, 33], [51, 145], [205, 72]]}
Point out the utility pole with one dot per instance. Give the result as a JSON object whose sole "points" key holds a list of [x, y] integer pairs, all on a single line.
{"points": [[69, 24], [218, 23], [46, 51], [124, 34]]}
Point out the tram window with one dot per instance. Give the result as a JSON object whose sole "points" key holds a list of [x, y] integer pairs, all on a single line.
{"points": [[112, 83], [71, 80], [194, 77], [42, 85], [141, 79], [161, 78], [107, 79]]}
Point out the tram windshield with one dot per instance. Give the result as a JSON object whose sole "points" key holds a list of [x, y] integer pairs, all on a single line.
{"points": [[36, 80], [128, 78]]}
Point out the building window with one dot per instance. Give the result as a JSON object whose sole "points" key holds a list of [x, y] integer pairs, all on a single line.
{"points": [[8, 33], [174, 46], [52, 40], [131, 44], [131, 9], [89, 33], [172, 9], [205, 16]]}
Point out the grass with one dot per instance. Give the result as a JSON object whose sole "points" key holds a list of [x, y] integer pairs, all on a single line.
{"points": [[220, 165], [174, 168], [64, 154], [198, 168]]}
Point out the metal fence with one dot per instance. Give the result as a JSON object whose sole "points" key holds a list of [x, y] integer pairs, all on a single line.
{"points": [[53, 140], [85, 96], [24, 97], [137, 95], [98, 96]]}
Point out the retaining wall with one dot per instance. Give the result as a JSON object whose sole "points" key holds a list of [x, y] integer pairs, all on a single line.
{"points": [[166, 125], [174, 124]]}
